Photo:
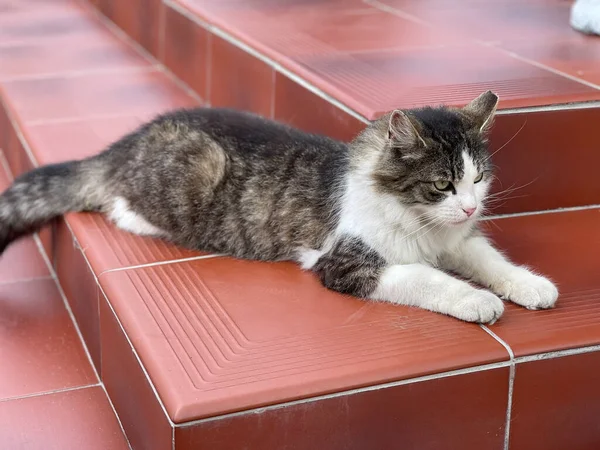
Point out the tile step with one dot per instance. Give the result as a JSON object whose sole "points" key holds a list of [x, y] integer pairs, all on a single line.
{"points": [[200, 351]]}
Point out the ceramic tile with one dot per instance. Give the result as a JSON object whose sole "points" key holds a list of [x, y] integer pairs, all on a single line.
{"points": [[12, 148], [186, 51], [297, 106], [142, 417], [376, 82], [493, 21], [577, 57], [140, 19], [239, 80], [466, 412], [39, 342], [62, 421], [22, 260], [556, 403], [80, 288], [57, 142], [142, 94], [301, 29], [39, 58], [34, 22], [223, 340], [564, 246], [534, 157], [108, 247]]}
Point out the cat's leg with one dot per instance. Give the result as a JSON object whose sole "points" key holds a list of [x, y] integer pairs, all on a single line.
{"points": [[351, 267], [477, 260], [126, 219]]}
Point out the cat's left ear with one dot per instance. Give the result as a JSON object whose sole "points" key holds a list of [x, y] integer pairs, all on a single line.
{"points": [[482, 110], [404, 130]]}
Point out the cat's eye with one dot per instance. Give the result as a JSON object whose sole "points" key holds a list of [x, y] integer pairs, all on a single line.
{"points": [[479, 178], [442, 185]]}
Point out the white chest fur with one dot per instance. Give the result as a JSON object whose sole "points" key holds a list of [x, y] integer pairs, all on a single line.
{"points": [[391, 229]]}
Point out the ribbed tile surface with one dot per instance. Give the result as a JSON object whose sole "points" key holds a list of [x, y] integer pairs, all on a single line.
{"points": [[564, 246], [230, 335]]}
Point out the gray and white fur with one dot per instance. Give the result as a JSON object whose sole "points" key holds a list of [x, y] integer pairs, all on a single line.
{"points": [[386, 217]]}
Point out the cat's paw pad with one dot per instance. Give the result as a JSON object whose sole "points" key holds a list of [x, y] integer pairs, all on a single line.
{"points": [[478, 306], [528, 290]]}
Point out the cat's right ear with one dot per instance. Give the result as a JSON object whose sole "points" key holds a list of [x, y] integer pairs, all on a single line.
{"points": [[403, 131]]}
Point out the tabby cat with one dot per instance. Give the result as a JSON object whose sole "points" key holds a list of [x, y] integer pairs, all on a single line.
{"points": [[386, 217]]}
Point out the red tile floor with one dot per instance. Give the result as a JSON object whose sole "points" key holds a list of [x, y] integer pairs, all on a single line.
{"points": [[205, 352]]}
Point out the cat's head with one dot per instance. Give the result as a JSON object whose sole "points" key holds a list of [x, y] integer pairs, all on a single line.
{"points": [[435, 160]]}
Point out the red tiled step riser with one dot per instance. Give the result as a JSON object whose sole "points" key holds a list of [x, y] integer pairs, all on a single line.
{"points": [[534, 164]]}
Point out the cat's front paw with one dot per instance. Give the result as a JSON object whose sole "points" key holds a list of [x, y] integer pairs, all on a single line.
{"points": [[528, 290], [478, 306]]}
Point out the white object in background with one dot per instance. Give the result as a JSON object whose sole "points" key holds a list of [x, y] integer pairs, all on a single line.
{"points": [[585, 16]]}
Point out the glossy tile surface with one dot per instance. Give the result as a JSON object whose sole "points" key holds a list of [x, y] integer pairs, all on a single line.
{"points": [[63, 421], [556, 403], [21, 260], [424, 415], [377, 56], [86, 137], [239, 80], [39, 59], [296, 106], [143, 419], [143, 94], [563, 246], [140, 19], [79, 285], [544, 160], [225, 340], [187, 51], [39, 346], [108, 247]]}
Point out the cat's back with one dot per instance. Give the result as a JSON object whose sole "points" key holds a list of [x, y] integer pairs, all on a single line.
{"points": [[248, 134]]}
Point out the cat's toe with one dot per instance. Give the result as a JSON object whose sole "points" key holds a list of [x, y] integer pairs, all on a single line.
{"points": [[530, 291], [478, 306]]}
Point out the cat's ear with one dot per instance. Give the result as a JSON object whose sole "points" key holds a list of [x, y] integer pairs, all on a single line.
{"points": [[482, 110], [403, 130]]}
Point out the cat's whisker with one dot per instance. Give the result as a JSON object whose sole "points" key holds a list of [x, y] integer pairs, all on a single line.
{"points": [[509, 141]]}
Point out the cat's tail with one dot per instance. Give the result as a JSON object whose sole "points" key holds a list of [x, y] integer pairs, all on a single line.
{"points": [[37, 197]]}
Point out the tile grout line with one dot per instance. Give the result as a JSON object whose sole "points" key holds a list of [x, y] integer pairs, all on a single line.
{"points": [[114, 410], [135, 353], [399, 13], [557, 354], [316, 398], [66, 304], [26, 280], [209, 65], [547, 68], [156, 63], [78, 248], [160, 263], [396, 12], [138, 360], [20, 136], [549, 108], [544, 211], [75, 119], [511, 383], [78, 73], [51, 392]]}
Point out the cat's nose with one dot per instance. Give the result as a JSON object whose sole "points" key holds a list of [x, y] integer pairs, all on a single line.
{"points": [[469, 211]]}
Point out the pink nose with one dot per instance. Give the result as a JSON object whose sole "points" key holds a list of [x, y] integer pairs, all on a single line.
{"points": [[469, 211]]}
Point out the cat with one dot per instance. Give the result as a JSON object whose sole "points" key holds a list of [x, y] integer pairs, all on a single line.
{"points": [[386, 217]]}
